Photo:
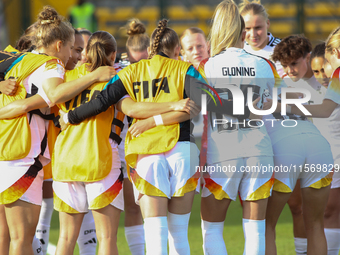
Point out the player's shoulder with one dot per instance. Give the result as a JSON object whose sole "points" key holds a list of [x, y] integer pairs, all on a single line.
{"points": [[258, 58]]}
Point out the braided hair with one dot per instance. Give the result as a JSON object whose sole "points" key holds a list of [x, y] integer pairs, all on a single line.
{"points": [[163, 39]]}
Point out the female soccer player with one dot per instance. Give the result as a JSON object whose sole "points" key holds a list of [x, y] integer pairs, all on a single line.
{"points": [[330, 108], [195, 47], [299, 146], [87, 236], [262, 43], [93, 181], [317, 61], [249, 146], [137, 48], [330, 132], [258, 40], [165, 178], [86, 35], [42, 75], [137, 42]]}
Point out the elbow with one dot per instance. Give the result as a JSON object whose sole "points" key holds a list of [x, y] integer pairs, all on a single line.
{"points": [[26, 108], [327, 114], [54, 100], [132, 113]]}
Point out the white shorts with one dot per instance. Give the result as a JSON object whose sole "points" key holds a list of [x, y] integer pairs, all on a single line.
{"points": [[299, 157], [22, 180], [80, 197], [169, 174], [243, 175]]}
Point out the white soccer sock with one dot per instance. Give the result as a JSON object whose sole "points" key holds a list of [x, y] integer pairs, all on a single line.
{"points": [[333, 240], [36, 245], [135, 238], [87, 239], [254, 235], [300, 245], [213, 242], [43, 227], [178, 233], [156, 235]]}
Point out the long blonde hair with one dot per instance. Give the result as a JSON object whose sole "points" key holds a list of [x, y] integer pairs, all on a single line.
{"points": [[226, 28], [333, 40]]}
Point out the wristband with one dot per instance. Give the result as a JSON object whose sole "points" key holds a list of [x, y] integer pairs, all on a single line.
{"points": [[288, 109], [158, 120], [65, 118]]}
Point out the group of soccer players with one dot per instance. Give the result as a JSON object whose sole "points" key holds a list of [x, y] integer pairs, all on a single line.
{"points": [[126, 140]]}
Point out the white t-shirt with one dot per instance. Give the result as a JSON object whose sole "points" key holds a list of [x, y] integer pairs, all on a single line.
{"points": [[255, 72], [267, 51]]}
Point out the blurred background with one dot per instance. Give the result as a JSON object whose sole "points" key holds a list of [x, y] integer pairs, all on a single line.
{"points": [[314, 18]]}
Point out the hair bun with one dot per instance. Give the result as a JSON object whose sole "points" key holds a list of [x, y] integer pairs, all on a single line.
{"points": [[48, 15], [135, 27]]}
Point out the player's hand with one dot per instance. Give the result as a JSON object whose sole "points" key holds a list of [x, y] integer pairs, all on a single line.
{"points": [[267, 104], [254, 116], [186, 105], [141, 126], [62, 123], [104, 73], [194, 109], [9, 87]]}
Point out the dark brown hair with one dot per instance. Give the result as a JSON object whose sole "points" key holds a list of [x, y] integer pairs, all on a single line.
{"points": [[318, 51], [291, 48], [100, 45], [51, 27], [84, 31], [25, 41], [163, 39]]}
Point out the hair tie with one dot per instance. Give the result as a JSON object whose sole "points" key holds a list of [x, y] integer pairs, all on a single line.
{"points": [[47, 21]]}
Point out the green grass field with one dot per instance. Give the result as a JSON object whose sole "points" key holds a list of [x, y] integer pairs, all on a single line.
{"points": [[233, 234]]}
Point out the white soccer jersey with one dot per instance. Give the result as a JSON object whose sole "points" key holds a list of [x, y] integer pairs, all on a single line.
{"points": [[332, 133], [37, 124], [267, 51], [318, 93], [236, 67], [278, 132]]}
